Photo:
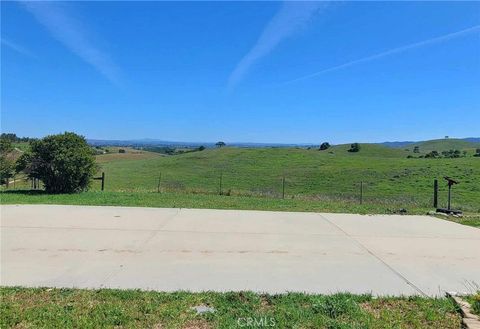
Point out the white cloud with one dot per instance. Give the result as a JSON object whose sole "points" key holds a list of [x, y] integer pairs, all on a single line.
{"points": [[16, 47], [71, 33], [393, 51], [292, 16]]}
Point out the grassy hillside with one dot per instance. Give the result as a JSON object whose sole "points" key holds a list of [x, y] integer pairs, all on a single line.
{"points": [[388, 177], [329, 179], [444, 145]]}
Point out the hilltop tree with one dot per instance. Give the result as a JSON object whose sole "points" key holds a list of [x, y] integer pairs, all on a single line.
{"points": [[7, 165], [324, 146], [64, 163], [355, 147], [220, 144]]}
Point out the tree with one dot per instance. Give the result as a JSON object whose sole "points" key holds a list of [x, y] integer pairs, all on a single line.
{"points": [[324, 146], [477, 153], [432, 154], [7, 165], [64, 163], [201, 148], [220, 144], [416, 149], [121, 151], [355, 147]]}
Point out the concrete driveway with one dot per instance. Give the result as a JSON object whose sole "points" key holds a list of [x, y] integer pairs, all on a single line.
{"points": [[222, 250]]}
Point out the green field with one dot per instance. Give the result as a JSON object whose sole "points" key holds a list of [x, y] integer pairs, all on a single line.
{"points": [[388, 177], [252, 178], [76, 308]]}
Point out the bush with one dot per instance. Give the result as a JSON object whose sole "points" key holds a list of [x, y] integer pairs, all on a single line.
{"points": [[416, 149], [121, 151], [324, 146], [433, 154], [355, 147], [64, 163]]}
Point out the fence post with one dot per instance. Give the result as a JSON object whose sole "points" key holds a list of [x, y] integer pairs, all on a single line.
{"points": [[221, 176], [283, 187], [361, 192], [103, 181], [159, 181], [435, 193]]}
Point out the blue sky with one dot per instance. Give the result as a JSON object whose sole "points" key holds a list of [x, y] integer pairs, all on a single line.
{"points": [[242, 71]]}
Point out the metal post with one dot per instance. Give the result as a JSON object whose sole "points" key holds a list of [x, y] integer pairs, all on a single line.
{"points": [[103, 181], [449, 194], [221, 176], [159, 181], [435, 193], [283, 187], [361, 192]]}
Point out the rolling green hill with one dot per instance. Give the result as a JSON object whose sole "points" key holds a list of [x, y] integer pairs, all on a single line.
{"points": [[389, 178], [445, 145]]}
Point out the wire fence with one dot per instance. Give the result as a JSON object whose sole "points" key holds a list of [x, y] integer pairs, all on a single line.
{"points": [[290, 185]]}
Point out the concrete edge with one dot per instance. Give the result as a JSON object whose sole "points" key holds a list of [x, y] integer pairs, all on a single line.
{"points": [[469, 320]]}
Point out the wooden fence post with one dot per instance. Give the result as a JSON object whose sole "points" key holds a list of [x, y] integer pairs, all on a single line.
{"points": [[103, 181], [283, 187], [435, 193]]}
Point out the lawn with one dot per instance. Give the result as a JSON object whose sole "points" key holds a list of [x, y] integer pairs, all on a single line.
{"points": [[75, 308]]}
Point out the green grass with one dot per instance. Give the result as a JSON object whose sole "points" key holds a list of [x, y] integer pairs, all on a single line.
{"points": [[75, 308], [203, 201], [474, 301], [445, 145], [386, 173], [314, 180]]}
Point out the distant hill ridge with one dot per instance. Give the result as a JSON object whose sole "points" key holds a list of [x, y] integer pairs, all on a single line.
{"points": [[430, 145]]}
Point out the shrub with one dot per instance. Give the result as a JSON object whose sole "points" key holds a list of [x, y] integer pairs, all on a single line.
{"points": [[324, 146], [433, 154], [355, 147], [121, 151], [201, 148], [64, 163], [416, 149]]}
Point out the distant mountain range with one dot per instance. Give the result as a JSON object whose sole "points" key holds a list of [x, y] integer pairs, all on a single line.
{"points": [[160, 143]]}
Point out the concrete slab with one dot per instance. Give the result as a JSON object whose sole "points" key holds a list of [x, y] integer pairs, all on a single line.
{"points": [[224, 250]]}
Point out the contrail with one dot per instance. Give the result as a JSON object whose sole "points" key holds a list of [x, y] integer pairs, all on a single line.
{"points": [[292, 17], [73, 36], [390, 52]]}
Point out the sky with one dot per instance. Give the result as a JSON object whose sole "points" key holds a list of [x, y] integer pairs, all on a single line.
{"points": [[274, 72]]}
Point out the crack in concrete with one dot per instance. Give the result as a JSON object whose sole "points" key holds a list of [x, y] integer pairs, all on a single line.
{"points": [[361, 245]]}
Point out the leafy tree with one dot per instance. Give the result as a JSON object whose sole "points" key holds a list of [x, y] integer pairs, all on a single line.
{"points": [[7, 165], [121, 151], [220, 144], [63, 162], [355, 147], [416, 149], [477, 153], [201, 148], [324, 146]]}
